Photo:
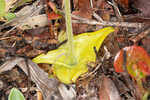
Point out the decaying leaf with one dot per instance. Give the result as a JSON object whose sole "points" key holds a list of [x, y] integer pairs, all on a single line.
{"points": [[85, 11], [123, 3], [137, 63], [84, 52], [108, 90], [144, 7]]}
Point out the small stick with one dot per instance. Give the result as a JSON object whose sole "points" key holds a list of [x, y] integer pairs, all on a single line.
{"points": [[107, 23], [116, 9], [95, 14]]}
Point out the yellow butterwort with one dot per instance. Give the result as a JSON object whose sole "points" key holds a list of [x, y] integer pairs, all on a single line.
{"points": [[84, 53]]}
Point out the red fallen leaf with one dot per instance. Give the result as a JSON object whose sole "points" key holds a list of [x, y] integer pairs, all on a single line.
{"points": [[137, 61], [53, 16]]}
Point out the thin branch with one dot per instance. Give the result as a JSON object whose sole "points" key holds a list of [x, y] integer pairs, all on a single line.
{"points": [[95, 14], [116, 9], [107, 23]]}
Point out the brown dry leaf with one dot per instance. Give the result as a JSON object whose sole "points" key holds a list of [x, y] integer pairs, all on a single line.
{"points": [[80, 28], [84, 11], [123, 3], [27, 48], [144, 7], [108, 90]]}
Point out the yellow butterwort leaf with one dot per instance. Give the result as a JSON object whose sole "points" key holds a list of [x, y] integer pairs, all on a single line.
{"points": [[84, 52]]}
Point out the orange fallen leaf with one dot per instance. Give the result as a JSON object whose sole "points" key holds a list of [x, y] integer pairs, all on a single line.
{"points": [[137, 61]]}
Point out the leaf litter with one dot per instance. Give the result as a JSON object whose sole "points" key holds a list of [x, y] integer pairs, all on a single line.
{"points": [[30, 34]]}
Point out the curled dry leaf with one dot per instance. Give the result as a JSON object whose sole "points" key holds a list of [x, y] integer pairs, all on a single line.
{"points": [[38, 76], [108, 90]]}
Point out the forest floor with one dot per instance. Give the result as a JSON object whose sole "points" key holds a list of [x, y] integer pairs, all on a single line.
{"points": [[35, 30]]}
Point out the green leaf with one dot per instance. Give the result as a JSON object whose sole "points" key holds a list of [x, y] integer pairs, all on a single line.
{"points": [[84, 53], [15, 94], [2, 8], [10, 16]]}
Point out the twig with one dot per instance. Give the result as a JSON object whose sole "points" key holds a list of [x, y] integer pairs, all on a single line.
{"points": [[84, 76], [116, 9], [103, 23], [97, 17], [95, 14], [141, 35], [91, 2], [106, 23]]}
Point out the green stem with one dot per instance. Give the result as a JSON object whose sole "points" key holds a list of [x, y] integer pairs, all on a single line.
{"points": [[70, 56]]}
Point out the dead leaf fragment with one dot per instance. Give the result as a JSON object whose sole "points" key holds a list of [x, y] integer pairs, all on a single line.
{"points": [[84, 11], [108, 90], [144, 7], [123, 3]]}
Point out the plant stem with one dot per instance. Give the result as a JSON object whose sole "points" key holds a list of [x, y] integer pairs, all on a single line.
{"points": [[70, 56]]}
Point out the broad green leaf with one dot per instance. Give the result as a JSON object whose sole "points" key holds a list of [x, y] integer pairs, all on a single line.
{"points": [[84, 53], [2, 8], [15, 94], [138, 61]]}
